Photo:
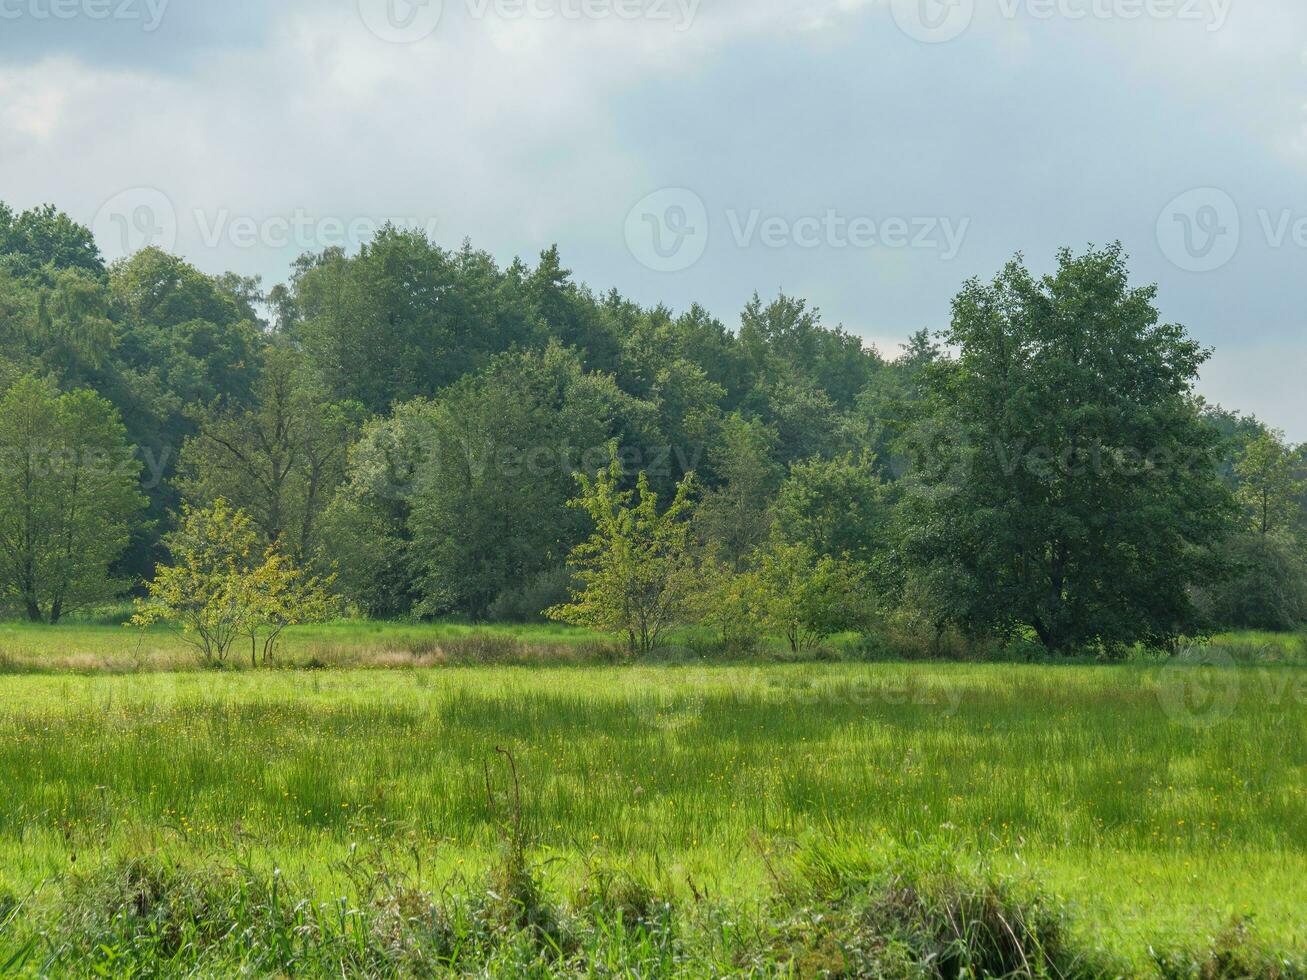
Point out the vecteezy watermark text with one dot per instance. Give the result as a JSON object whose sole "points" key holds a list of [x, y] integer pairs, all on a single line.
{"points": [[938, 21], [301, 229], [410, 21], [148, 13], [668, 230], [834, 230], [145, 217]]}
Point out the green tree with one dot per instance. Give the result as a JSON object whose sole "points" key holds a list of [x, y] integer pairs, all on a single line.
{"points": [[1269, 486], [223, 584], [405, 318], [280, 461], [807, 597], [1263, 585], [43, 240], [203, 595], [489, 502], [838, 506], [366, 534], [1062, 477], [636, 572], [68, 497], [734, 517], [281, 593]]}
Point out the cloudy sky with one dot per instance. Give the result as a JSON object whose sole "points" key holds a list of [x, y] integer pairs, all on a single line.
{"points": [[869, 155]]}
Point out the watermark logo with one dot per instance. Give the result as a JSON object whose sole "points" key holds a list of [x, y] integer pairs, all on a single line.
{"points": [[680, 14], [1199, 688], [1199, 231], [832, 229], [1212, 14], [302, 229], [937, 21], [147, 13], [137, 218], [933, 21], [667, 231], [401, 21]]}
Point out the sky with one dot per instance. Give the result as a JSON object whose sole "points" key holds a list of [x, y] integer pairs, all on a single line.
{"points": [[867, 155]]}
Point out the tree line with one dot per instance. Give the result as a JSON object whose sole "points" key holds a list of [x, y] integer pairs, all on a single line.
{"points": [[431, 434]]}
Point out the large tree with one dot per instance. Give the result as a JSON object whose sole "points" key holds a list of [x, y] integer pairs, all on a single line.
{"points": [[1063, 480], [42, 240], [280, 460], [68, 496], [489, 496], [734, 517]]}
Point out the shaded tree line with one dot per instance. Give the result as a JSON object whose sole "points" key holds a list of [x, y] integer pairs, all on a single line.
{"points": [[439, 435]]}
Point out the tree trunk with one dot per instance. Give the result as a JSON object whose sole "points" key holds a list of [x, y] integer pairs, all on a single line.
{"points": [[1045, 637]]}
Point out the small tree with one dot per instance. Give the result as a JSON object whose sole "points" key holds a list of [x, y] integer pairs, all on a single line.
{"points": [[222, 586], [731, 604], [636, 571], [282, 594], [807, 597], [205, 595]]}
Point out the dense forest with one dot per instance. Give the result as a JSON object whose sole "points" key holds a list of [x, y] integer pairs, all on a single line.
{"points": [[437, 436]]}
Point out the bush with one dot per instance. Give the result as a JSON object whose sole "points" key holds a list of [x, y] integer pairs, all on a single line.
{"points": [[921, 915], [835, 910], [527, 603], [1265, 587]]}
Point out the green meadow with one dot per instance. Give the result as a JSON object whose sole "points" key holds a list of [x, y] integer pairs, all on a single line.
{"points": [[1156, 806]]}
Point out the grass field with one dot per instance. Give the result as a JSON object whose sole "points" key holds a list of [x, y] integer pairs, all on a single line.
{"points": [[1155, 805]]}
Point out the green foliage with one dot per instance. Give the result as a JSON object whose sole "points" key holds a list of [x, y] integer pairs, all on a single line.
{"points": [[365, 527], [837, 506], [68, 495], [1269, 486], [808, 597], [405, 318], [489, 501], [1264, 585], [1060, 471], [279, 461], [1063, 480], [281, 594], [734, 517], [202, 596], [636, 573], [43, 240], [225, 584]]}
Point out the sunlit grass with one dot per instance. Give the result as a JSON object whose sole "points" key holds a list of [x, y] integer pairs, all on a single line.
{"points": [[1149, 820]]}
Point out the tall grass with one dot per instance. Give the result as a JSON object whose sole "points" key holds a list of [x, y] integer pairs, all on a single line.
{"points": [[700, 779]]}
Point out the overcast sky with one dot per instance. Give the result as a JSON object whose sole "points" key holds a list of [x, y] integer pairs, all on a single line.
{"points": [[868, 155]]}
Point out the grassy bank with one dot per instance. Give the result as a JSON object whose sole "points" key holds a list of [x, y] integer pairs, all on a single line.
{"points": [[1157, 805], [100, 643]]}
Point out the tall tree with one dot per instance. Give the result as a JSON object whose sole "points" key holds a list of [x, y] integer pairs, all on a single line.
{"points": [[1269, 487], [44, 240], [838, 507], [1063, 480], [68, 496], [734, 517], [489, 502], [280, 461]]}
